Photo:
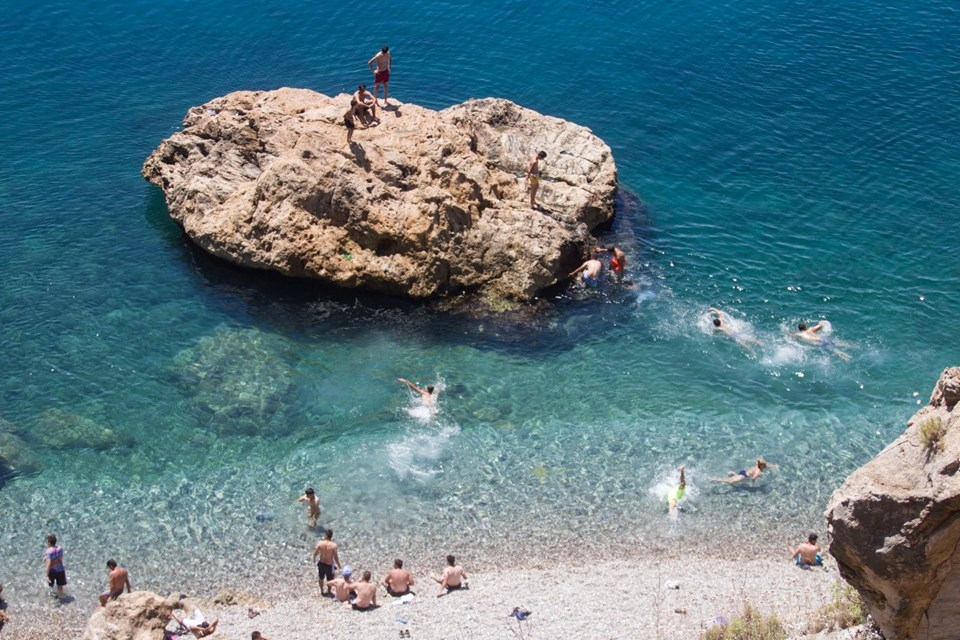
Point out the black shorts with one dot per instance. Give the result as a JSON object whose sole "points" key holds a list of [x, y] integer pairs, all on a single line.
{"points": [[349, 124], [325, 570], [57, 577]]}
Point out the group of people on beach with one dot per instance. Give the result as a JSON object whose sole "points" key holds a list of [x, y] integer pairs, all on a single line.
{"points": [[361, 595], [363, 104]]}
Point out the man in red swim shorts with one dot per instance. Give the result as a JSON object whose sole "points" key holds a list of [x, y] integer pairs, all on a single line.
{"points": [[380, 67]]}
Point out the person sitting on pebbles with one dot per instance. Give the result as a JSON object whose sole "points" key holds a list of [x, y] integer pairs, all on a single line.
{"points": [[453, 578]]}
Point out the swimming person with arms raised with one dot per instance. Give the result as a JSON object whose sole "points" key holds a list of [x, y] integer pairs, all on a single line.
{"points": [[721, 324], [733, 477], [676, 495], [820, 335], [428, 395]]}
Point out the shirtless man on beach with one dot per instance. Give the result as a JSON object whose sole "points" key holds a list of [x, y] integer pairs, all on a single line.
{"points": [[325, 555], [453, 578], [366, 594], [119, 579], [313, 505], [817, 336], [533, 176], [720, 325], [591, 272], [427, 395], [343, 587], [380, 65], [808, 554], [366, 105], [398, 580], [753, 473]]}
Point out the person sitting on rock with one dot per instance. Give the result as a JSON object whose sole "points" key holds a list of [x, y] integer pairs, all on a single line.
{"points": [[366, 107]]}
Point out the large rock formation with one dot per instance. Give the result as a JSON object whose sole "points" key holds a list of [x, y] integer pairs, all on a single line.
{"points": [[425, 204], [140, 615], [896, 524]]}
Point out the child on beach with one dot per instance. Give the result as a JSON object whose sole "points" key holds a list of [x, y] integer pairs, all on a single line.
{"points": [[313, 505]]}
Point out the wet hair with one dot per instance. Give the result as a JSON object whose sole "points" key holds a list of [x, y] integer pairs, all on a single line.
{"points": [[112, 563], [717, 322], [353, 102], [761, 463], [309, 491], [451, 561], [802, 326], [812, 538], [52, 540], [542, 155], [429, 388], [384, 49], [398, 564]]}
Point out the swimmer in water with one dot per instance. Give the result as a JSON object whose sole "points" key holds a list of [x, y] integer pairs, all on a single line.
{"points": [[817, 336], [428, 395], [591, 272], [676, 495], [733, 477], [720, 325]]}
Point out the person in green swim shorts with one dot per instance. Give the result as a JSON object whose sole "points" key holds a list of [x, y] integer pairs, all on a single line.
{"points": [[675, 496]]}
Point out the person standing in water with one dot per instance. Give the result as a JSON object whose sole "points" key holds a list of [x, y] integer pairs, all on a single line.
{"points": [[591, 272], [533, 176], [428, 395], [313, 505], [618, 261], [53, 563]]}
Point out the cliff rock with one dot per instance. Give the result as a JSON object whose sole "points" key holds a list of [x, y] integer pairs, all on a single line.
{"points": [[896, 525], [424, 204]]}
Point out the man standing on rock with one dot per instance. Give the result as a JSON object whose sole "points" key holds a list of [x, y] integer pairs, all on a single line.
{"points": [[119, 579], [533, 176], [325, 555], [380, 67]]}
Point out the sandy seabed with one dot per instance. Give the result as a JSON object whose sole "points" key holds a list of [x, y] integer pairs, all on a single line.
{"points": [[658, 598]]}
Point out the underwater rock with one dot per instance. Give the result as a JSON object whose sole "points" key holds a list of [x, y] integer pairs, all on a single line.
{"points": [[427, 204], [59, 429], [18, 456], [237, 382]]}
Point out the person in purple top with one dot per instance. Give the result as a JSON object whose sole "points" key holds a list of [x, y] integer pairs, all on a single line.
{"points": [[53, 561]]}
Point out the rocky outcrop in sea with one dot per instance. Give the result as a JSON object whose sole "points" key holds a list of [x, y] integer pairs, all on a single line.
{"points": [[426, 204], [896, 524]]}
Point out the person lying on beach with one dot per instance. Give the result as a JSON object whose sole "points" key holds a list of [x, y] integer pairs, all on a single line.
{"points": [[753, 473], [428, 395], [721, 325], [343, 588], [807, 554], [675, 496], [398, 580], [819, 335], [313, 505], [591, 272], [366, 594], [453, 578], [197, 625]]}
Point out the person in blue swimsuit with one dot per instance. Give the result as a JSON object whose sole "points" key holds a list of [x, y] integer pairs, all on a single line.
{"points": [[591, 272], [807, 554], [751, 474]]}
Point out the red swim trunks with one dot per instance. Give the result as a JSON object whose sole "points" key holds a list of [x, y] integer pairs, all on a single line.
{"points": [[381, 77]]}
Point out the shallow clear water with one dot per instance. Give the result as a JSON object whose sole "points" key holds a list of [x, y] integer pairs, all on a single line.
{"points": [[783, 165]]}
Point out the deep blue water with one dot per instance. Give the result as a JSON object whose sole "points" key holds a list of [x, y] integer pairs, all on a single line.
{"points": [[781, 161]]}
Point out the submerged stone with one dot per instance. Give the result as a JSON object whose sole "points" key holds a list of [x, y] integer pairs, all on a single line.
{"points": [[59, 429]]}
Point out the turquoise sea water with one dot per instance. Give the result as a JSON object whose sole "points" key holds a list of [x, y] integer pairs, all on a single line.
{"points": [[783, 162]]}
